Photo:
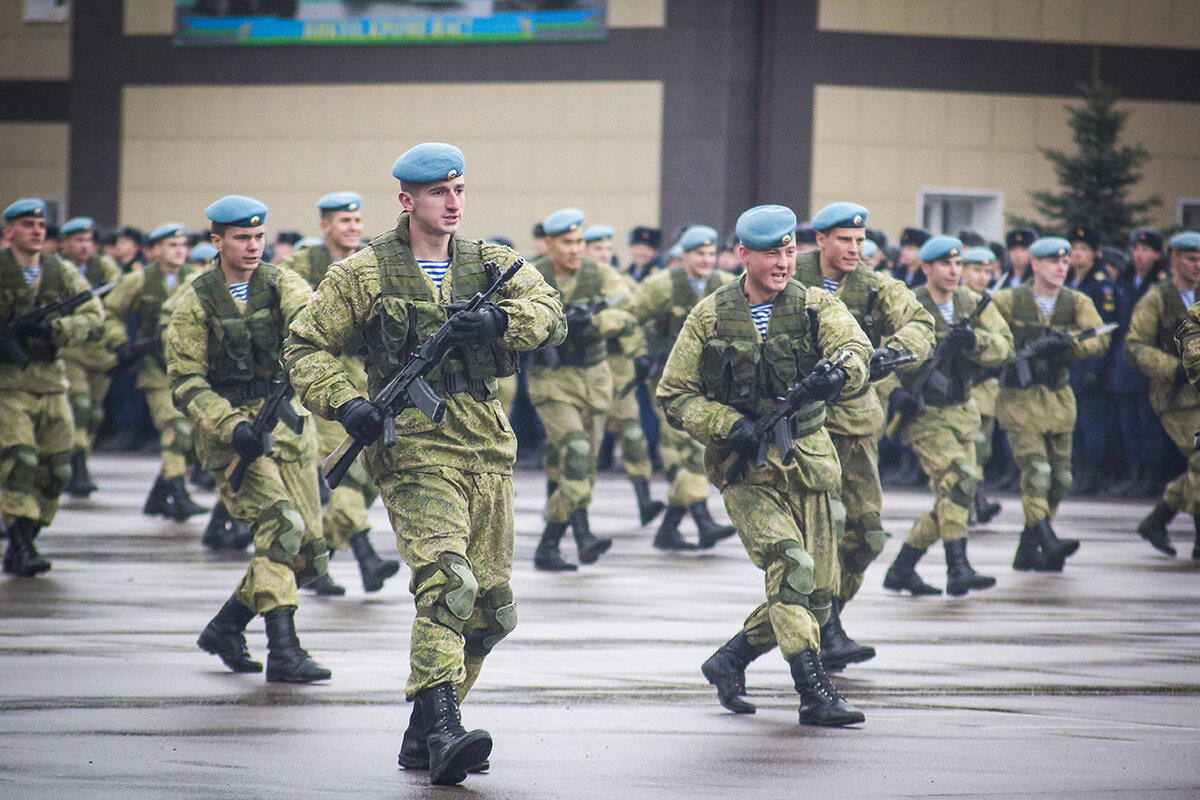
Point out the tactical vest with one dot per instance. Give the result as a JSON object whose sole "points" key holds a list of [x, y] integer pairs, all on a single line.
{"points": [[154, 293], [1027, 326], [95, 270], [319, 259], [739, 368], [17, 298], [663, 330], [858, 291], [243, 347], [960, 371], [588, 349], [409, 314], [1174, 313]]}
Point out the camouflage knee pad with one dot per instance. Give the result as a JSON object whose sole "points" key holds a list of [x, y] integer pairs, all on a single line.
{"points": [[20, 469], [960, 481], [457, 590], [796, 579], [695, 460], [177, 438], [82, 410], [1035, 477], [357, 478], [872, 538], [499, 618], [311, 562], [633, 443], [59, 474], [278, 532], [576, 456]]}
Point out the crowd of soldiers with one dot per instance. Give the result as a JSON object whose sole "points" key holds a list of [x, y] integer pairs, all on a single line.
{"points": [[780, 365]]}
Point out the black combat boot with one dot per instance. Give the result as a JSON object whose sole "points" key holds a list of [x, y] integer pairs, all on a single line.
{"points": [[726, 670], [590, 547], [1153, 528], [710, 531], [1029, 555], [225, 636], [902, 574], [985, 510], [325, 586], [547, 556], [551, 488], [1054, 549], [22, 558], [413, 752], [837, 648], [452, 750], [1196, 543], [648, 508], [201, 478], [287, 661], [158, 502], [960, 575], [81, 484], [668, 536], [375, 570], [820, 704], [180, 502]]}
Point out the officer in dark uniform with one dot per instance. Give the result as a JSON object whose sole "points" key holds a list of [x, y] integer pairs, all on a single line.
{"points": [[908, 266], [1017, 242], [644, 244]]}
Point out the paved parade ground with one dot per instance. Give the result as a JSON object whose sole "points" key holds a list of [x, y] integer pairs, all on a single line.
{"points": [[1080, 685]]}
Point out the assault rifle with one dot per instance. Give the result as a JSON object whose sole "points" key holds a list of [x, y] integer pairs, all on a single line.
{"points": [[149, 346], [1051, 341], [408, 388], [14, 329], [930, 373], [658, 360], [549, 355], [275, 408], [882, 367]]}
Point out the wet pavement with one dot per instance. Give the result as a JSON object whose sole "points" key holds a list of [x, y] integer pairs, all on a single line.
{"points": [[1084, 684]]}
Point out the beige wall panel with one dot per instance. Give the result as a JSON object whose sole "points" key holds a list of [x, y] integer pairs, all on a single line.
{"points": [[937, 16], [182, 149], [835, 173], [925, 119], [970, 123], [34, 50], [971, 17], [1106, 21], [882, 173], [1061, 20], [1052, 128], [148, 17], [637, 13], [34, 162], [969, 167], [1017, 21], [1015, 121]]}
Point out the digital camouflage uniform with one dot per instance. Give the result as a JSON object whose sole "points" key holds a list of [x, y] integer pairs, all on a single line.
{"points": [[984, 394], [1040, 418], [624, 421], [37, 430], [221, 354], [88, 362], [447, 487], [784, 514], [890, 316]]}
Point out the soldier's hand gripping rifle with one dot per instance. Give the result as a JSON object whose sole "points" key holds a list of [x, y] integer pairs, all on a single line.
{"points": [[134, 351], [275, 408], [650, 366], [582, 314], [885, 360], [1055, 340], [408, 388], [930, 373], [19, 327]]}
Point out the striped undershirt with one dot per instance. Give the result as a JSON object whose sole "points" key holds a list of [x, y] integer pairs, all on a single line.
{"points": [[947, 310], [1188, 296], [1046, 304], [238, 290], [436, 270], [31, 274], [761, 314], [831, 284]]}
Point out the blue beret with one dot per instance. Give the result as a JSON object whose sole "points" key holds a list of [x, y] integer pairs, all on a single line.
{"points": [[238, 211], [428, 162], [698, 236], [978, 255], [940, 247], [203, 252], [674, 252], [340, 201], [309, 241], [77, 225], [26, 207], [594, 233], [1049, 247], [840, 215], [166, 231], [869, 249], [764, 227], [562, 221], [1188, 240]]}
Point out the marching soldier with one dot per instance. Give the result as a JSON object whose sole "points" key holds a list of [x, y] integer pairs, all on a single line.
{"points": [[1016, 247], [939, 421], [1039, 416], [1152, 347], [715, 387], [447, 486], [908, 266], [344, 520], [644, 243], [895, 323], [661, 304], [978, 272], [36, 437], [223, 346]]}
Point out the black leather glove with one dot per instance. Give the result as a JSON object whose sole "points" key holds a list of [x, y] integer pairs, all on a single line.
{"points": [[579, 319], [36, 331], [476, 327], [881, 354], [904, 403], [962, 338], [1056, 343], [361, 419], [826, 387], [741, 438], [247, 445], [641, 368], [126, 354]]}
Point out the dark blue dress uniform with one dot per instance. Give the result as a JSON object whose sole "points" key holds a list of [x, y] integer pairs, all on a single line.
{"points": [[914, 237]]}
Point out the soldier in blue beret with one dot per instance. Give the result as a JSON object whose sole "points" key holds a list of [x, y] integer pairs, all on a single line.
{"points": [[978, 264], [806, 238], [598, 240], [908, 267], [1151, 345], [203, 251]]}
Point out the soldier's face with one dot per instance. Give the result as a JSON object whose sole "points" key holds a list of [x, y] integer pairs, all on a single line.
{"points": [[126, 249], [76, 247], [841, 248], [976, 276], [908, 254], [1144, 257], [173, 251], [566, 249], [699, 261], [1082, 255], [768, 271], [1019, 258], [436, 208], [1186, 265], [641, 253], [601, 250], [1049, 273], [944, 273], [241, 249], [343, 229], [27, 234]]}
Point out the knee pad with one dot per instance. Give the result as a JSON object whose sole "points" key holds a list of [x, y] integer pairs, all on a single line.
{"points": [[837, 512], [179, 436], [81, 407], [1035, 477], [633, 443], [695, 460], [872, 539], [311, 562], [820, 604], [798, 576], [1063, 478], [59, 468], [21, 462], [278, 532], [960, 481], [577, 457], [451, 574], [499, 619]]}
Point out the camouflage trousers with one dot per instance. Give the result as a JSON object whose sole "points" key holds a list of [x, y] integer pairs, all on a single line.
{"points": [[1183, 493], [174, 432], [454, 529], [944, 440], [862, 496], [683, 459], [625, 422], [35, 454], [789, 533], [572, 438], [88, 387], [346, 512], [983, 449], [506, 393]]}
